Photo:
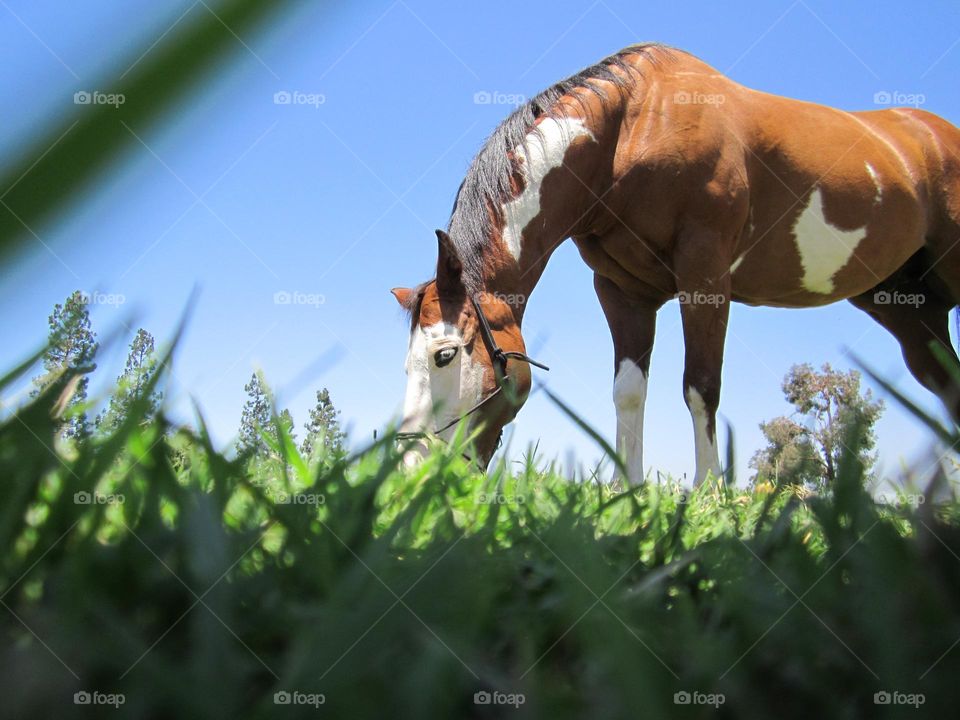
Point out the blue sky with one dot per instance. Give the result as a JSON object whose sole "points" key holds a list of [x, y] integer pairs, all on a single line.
{"points": [[337, 200]]}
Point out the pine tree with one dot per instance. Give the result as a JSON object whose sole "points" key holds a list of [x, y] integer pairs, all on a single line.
{"points": [[71, 344], [140, 367], [323, 428], [255, 417]]}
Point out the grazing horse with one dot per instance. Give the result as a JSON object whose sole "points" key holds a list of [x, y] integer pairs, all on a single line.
{"points": [[674, 181]]}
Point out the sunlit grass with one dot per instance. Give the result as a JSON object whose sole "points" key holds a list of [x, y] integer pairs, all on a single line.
{"points": [[193, 584]]}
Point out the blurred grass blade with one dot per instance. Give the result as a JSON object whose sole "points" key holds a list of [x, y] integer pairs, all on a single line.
{"points": [[60, 165], [950, 438], [583, 425], [22, 368]]}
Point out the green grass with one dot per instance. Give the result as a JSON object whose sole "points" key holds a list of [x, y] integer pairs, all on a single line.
{"points": [[201, 595]]}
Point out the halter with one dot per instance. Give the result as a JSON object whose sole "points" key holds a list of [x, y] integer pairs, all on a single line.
{"points": [[500, 358]]}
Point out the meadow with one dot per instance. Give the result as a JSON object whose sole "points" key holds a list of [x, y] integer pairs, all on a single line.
{"points": [[147, 574]]}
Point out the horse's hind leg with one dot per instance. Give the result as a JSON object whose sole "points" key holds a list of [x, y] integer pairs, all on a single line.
{"points": [[918, 318]]}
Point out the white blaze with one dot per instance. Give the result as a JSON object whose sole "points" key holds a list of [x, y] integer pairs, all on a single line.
{"points": [[708, 459], [542, 150], [629, 397], [823, 247], [438, 395]]}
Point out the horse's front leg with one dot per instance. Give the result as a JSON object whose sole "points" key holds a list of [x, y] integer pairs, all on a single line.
{"points": [[632, 323], [704, 294]]}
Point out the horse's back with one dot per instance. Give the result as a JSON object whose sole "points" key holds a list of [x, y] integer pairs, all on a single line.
{"points": [[831, 201]]}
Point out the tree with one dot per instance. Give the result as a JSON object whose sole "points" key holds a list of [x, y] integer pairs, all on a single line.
{"points": [[323, 428], [258, 418], [789, 456], [71, 344], [255, 417], [832, 408], [131, 385]]}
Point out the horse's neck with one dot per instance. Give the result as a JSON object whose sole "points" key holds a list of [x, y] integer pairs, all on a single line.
{"points": [[513, 280], [560, 173]]}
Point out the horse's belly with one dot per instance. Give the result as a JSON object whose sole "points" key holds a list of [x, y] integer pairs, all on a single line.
{"points": [[635, 266]]}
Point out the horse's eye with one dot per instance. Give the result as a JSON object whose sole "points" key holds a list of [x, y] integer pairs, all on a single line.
{"points": [[444, 356]]}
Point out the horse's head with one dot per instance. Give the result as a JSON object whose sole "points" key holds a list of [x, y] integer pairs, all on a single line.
{"points": [[465, 360]]}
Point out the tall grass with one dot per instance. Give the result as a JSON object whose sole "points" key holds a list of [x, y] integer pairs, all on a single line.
{"points": [[165, 579]]}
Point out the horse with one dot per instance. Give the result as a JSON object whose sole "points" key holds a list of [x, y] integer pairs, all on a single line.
{"points": [[674, 181]]}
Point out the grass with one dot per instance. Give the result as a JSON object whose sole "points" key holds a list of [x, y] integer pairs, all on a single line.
{"points": [[164, 579]]}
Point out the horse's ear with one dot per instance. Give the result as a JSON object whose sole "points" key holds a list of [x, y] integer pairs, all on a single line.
{"points": [[449, 267], [403, 296]]}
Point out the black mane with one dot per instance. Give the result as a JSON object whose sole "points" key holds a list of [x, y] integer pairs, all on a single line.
{"points": [[488, 179]]}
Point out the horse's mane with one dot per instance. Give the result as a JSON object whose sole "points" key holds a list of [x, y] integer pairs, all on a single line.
{"points": [[488, 180]]}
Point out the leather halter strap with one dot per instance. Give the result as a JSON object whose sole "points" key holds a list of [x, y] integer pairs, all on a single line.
{"points": [[500, 358]]}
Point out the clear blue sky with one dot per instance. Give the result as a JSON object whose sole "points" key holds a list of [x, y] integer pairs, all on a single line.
{"points": [[340, 200]]}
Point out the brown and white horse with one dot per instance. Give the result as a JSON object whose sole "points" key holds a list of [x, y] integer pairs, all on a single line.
{"points": [[676, 182]]}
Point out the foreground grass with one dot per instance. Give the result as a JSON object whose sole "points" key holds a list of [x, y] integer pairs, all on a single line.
{"points": [[158, 578]]}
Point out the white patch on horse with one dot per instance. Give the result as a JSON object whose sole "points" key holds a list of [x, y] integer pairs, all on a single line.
{"points": [[437, 395], [629, 397], [736, 263], [542, 150], [824, 249], [708, 459], [876, 183]]}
